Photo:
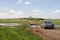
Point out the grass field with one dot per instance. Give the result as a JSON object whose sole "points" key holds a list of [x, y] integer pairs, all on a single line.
{"points": [[16, 34], [12, 21], [19, 33], [57, 22], [21, 21]]}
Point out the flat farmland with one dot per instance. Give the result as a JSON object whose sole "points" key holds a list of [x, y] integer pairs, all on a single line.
{"points": [[16, 33], [20, 33]]}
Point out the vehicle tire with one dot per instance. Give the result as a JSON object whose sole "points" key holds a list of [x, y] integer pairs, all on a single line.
{"points": [[44, 27], [41, 27], [53, 27]]}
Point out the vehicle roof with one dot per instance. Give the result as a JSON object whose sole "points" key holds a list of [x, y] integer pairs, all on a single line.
{"points": [[47, 20]]}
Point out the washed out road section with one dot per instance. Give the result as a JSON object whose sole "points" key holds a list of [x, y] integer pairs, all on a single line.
{"points": [[46, 34]]}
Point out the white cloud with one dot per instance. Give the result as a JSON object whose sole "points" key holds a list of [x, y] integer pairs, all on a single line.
{"points": [[15, 12], [54, 14], [56, 11], [11, 14], [20, 1], [36, 11], [3, 15], [19, 12], [23, 2], [12, 11], [27, 3]]}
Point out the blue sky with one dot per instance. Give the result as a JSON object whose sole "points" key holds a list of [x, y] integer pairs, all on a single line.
{"points": [[26, 8]]}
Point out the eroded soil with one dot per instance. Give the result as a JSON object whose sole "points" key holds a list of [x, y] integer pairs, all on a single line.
{"points": [[46, 34]]}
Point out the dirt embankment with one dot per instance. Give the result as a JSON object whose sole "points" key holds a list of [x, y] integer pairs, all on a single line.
{"points": [[46, 34]]}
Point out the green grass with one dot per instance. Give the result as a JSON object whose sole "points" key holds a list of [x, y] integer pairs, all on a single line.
{"points": [[16, 34], [12, 21], [19, 33], [56, 22]]}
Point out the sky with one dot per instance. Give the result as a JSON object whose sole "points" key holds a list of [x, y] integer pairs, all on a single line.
{"points": [[24, 8]]}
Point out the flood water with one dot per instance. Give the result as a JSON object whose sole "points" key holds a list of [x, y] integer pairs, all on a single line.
{"points": [[9, 24]]}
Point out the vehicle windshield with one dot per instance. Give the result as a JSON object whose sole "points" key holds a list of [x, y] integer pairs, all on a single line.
{"points": [[48, 22]]}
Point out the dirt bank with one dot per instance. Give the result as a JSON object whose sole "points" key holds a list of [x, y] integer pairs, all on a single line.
{"points": [[46, 34]]}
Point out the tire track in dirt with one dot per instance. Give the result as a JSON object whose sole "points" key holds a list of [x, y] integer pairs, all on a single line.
{"points": [[53, 34], [47, 34], [43, 33]]}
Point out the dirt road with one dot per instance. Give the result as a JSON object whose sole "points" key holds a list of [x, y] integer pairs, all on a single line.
{"points": [[47, 34]]}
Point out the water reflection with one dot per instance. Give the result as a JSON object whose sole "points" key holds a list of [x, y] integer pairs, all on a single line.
{"points": [[9, 24]]}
